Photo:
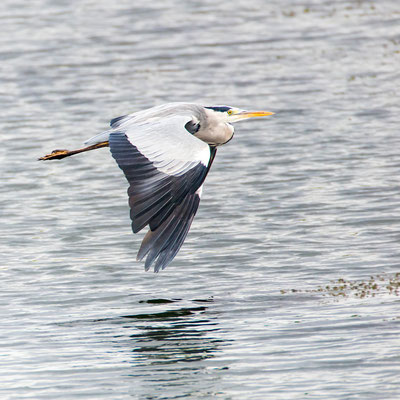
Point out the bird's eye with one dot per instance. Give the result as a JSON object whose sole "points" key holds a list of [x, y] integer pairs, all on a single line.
{"points": [[230, 112]]}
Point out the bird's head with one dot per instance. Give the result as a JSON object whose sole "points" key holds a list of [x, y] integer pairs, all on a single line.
{"points": [[233, 114]]}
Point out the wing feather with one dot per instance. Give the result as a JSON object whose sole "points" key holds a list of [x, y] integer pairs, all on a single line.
{"points": [[164, 243], [165, 166]]}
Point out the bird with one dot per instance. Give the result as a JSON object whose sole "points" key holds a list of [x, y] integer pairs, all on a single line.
{"points": [[165, 153]]}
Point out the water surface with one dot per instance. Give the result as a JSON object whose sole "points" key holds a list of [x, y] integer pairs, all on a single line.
{"points": [[294, 206]]}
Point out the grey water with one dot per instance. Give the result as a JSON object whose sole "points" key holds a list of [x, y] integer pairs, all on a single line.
{"points": [[294, 205]]}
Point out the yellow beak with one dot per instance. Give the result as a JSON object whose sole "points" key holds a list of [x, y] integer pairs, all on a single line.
{"points": [[252, 114]]}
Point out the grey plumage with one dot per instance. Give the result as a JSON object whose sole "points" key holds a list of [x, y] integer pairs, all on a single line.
{"points": [[165, 153]]}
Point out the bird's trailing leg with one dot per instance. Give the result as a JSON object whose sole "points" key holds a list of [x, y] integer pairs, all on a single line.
{"points": [[59, 154]]}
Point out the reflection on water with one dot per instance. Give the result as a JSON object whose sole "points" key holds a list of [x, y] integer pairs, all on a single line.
{"points": [[178, 335], [164, 346], [169, 348]]}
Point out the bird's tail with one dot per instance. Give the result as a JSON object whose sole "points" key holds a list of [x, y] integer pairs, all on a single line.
{"points": [[99, 138]]}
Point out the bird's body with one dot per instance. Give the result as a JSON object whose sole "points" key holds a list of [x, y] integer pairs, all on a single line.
{"points": [[165, 153], [204, 123]]}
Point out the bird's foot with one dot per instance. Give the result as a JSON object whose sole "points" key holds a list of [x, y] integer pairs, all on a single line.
{"points": [[56, 155]]}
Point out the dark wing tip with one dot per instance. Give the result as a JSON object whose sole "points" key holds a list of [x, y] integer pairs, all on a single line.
{"points": [[161, 245], [116, 122]]}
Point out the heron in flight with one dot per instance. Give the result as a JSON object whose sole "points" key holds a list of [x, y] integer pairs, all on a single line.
{"points": [[165, 153]]}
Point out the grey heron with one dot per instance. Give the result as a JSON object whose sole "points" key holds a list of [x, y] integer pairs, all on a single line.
{"points": [[165, 153]]}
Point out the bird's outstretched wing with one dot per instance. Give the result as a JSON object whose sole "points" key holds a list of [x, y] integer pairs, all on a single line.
{"points": [[165, 166]]}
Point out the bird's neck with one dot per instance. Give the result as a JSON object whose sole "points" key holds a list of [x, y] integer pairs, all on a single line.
{"points": [[217, 135]]}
